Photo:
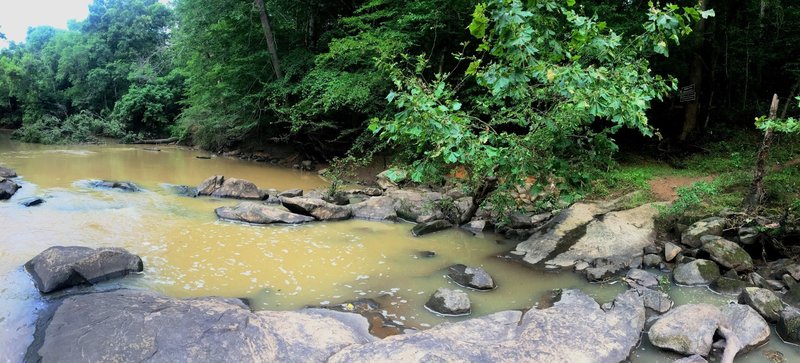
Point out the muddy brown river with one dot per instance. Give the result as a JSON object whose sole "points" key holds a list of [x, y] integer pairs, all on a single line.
{"points": [[187, 252]]}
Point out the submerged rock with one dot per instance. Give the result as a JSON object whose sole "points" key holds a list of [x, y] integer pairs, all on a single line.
{"points": [[430, 227], [260, 213], [449, 302], [789, 325], [135, 326], [655, 300], [7, 173], [728, 254], [182, 190], [574, 329], [58, 268], [743, 328], [707, 227], [124, 186], [376, 208], [31, 201], [7, 188], [697, 272], [764, 301], [687, 329], [471, 277], [221, 187], [694, 358], [316, 208]]}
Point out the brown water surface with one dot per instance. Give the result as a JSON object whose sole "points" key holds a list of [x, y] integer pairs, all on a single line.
{"points": [[188, 252]]}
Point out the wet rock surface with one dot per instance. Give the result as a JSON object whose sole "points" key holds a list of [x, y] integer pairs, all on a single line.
{"points": [[134, 326], [764, 301], [471, 277], [124, 186], [221, 187], [743, 328], [697, 272], [7, 188], [376, 208], [726, 253], [30, 201], [421, 229], [260, 213], [59, 268], [574, 329], [449, 302], [789, 325], [687, 329], [316, 208]]}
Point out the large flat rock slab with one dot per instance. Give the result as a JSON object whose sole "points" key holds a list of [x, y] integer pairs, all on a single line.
{"points": [[221, 187], [574, 329], [58, 268], [617, 236], [139, 326], [260, 213]]}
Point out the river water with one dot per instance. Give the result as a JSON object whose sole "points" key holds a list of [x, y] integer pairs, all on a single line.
{"points": [[187, 252]]}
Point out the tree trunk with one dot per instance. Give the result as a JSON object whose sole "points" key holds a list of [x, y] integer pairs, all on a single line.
{"points": [[695, 78], [755, 196], [273, 50], [487, 187]]}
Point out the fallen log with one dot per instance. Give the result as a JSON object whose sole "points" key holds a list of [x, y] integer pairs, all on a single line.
{"points": [[157, 141]]}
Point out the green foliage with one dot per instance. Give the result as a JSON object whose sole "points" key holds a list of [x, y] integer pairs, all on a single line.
{"points": [[77, 128], [690, 199], [555, 86]]}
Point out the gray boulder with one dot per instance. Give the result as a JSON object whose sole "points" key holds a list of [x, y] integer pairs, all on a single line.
{"points": [[449, 302], [748, 235], [697, 272], [7, 188], [471, 277], [416, 205], [7, 173], [726, 253], [670, 251], [618, 237], [742, 328], [135, 326], [316, 208], [376, 208], [789, 325], [636, 277], [574, 329], [58, 268], [291, 193], [260, 213], [687, 329], [124, 186], [430, 227], [651, 260], [712, 226], [764, 301], [221, 187], [655, 300], [30, 201]]}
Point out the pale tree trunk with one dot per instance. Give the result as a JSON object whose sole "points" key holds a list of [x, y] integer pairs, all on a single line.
{"points": [[273, 50], [755, 196], [696, 78]]}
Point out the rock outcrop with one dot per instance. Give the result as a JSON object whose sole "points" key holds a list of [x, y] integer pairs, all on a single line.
{"points": [[58, 268], [7, 173], [471, 277], [726, 253], [764, 301], [221, 187], [574, 329], [697, 272], [317, 208], [136, 326], [377, 208], [124, 186], [449, 302], [743, 329], [711, 226], [687, 329], [430, 227], [7, 188], [260, 213]]}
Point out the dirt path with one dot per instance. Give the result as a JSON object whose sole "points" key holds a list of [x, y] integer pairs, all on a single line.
{"points": [[664, 188]]}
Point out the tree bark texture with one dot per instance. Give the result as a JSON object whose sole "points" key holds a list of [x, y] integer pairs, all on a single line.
{"points": [[755, 196], [273, 49], [696, 78]]}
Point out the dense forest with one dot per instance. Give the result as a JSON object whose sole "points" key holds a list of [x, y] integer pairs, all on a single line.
{"points": [[518, 90]]}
